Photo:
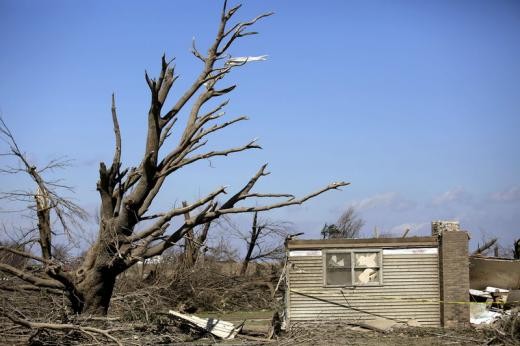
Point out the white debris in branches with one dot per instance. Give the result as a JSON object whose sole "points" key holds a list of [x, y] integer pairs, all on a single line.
{"points": [[241, 60]]}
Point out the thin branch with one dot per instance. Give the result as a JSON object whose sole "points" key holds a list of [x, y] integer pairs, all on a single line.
{"points": [[217, 127], [292, 201], [238, 31], [226, 152], [269, 195], [195, 52], [166, 132], [245, 190]]}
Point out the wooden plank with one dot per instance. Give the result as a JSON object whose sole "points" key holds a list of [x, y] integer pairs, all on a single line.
{"points": [[222, 329]]}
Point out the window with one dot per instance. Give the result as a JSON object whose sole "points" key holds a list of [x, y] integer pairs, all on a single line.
{"points": [[352, 268], [339, 269]]}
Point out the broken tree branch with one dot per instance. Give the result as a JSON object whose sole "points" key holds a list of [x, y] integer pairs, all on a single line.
{"points": [[25, 276], [63, 327]]}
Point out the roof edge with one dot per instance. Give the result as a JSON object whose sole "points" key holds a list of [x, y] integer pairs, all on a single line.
{"points": [[368, 242]]}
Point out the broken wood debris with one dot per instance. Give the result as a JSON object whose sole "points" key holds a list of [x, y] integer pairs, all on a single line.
{"points": [[492, 304], [217, 327], [479, 295]]}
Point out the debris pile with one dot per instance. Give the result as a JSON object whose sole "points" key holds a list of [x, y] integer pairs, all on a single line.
{"points": [[490, 304], [498, 310]]}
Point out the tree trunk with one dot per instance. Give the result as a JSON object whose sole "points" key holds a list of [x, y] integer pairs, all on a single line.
{"points": [[245, 263], [255, 233], [93, 293], [247, 259], [189, 245]]}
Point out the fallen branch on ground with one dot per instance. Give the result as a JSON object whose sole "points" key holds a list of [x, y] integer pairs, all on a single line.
{"points": [[56, 326]]}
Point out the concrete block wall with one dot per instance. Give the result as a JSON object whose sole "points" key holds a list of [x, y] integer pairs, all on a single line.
{"points": [[453, 273]]}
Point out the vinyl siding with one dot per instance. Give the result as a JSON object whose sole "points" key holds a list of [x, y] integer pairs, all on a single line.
{"points": [[407, 279]]}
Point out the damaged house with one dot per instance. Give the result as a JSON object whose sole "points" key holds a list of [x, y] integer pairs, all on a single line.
{"points": [[419, 279]]}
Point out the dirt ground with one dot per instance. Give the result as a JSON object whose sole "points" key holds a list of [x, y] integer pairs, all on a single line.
{"points": [[257, 324], [162, 330], [345, 335]]}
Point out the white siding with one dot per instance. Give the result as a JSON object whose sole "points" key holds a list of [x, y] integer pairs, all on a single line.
{"points": [[410, 290]]}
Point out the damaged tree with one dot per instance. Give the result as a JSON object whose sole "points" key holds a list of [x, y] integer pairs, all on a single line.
{"points": [[348, 226], [194, 241], [127, 194], [257, 249]]}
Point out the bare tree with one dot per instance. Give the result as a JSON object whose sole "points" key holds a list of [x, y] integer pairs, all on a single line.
{"points": [[264, 241], [348, 225], [194, 241], [127, 194], [223, 251]]}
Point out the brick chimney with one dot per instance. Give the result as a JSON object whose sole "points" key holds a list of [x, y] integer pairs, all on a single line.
{"points": [[453, 273]]}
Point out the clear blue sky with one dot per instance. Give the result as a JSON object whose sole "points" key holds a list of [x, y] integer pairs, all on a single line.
{"points": [[417, 103]]}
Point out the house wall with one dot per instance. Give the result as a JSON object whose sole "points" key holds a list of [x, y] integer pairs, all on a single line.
{"points": [[495, 272], [410, 287]]}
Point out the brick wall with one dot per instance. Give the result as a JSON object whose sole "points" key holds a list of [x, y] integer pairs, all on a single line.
{"points": [[453, 275]]}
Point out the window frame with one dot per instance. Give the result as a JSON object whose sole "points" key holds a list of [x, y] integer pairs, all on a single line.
{"points": [[353, 267]]}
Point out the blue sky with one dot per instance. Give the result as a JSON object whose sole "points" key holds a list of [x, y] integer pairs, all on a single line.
{"points": [[416, 103]]}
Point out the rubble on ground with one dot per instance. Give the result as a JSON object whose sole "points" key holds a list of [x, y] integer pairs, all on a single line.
{"points": [[490, 304]]}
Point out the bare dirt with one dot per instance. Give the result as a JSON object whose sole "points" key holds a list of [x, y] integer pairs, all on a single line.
{"points": [[345, 335]]}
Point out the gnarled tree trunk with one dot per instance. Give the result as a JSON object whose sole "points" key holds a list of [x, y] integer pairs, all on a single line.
{"points": [[96, 291]]}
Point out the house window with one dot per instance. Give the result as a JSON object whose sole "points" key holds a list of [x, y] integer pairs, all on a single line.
{"points": [[352, 268], [339, 268]]}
